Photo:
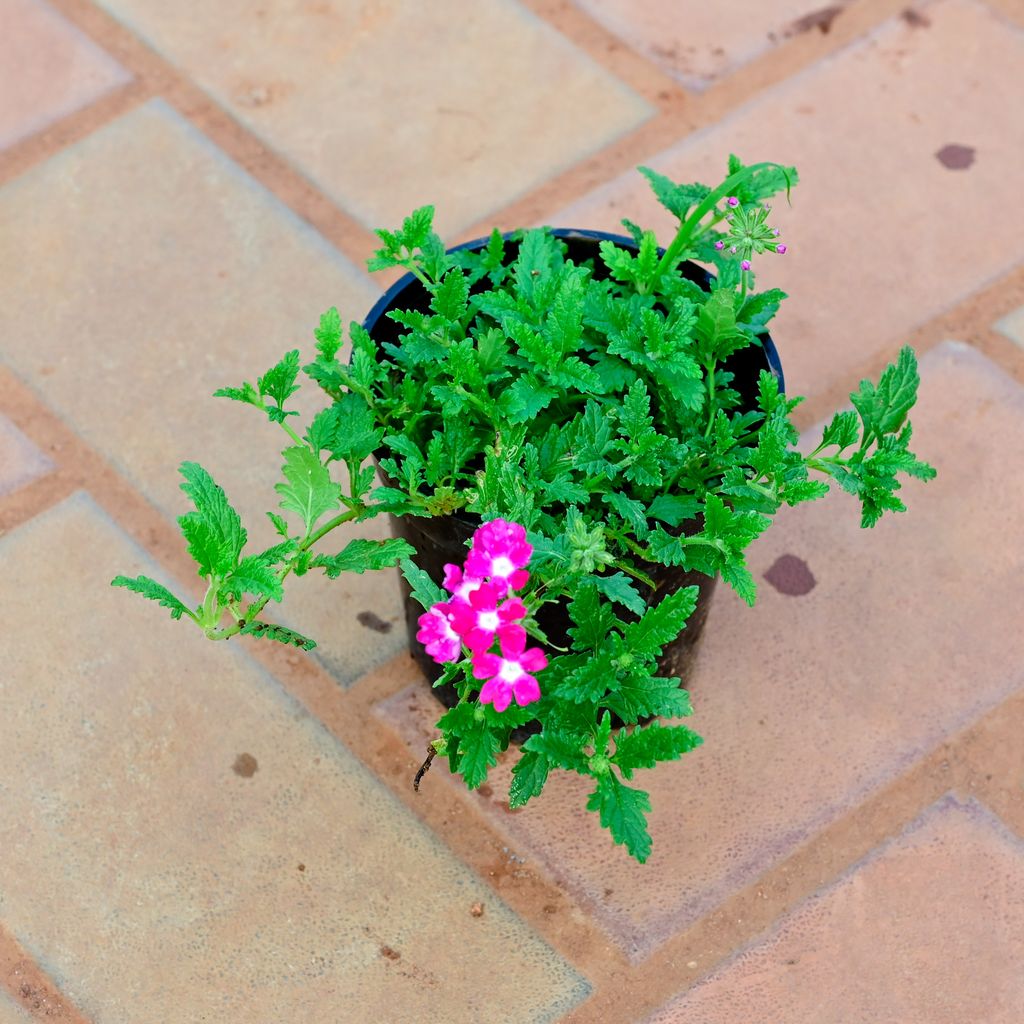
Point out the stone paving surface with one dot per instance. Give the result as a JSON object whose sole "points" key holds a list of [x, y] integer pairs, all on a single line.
{"points": [[900, 938], [193, 832], [47, 69]]}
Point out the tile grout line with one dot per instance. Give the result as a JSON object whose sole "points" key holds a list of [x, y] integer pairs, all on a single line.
{"points": [[30, 986]]}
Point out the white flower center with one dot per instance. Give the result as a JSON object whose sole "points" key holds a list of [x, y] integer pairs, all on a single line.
{"points": [[502, 566], [488, 621], [510, 671]]}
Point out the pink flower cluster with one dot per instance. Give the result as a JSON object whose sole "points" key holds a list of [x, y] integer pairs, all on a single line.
{"points": [[483, 609]]}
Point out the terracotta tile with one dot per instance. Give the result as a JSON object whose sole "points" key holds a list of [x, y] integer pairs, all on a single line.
{"points": [[927, 930], [809, 703], [48, 69], [142, 270], [393, 104], [882, 235], [202, 842], [20, 460], [1013, 326], [699, 43]]}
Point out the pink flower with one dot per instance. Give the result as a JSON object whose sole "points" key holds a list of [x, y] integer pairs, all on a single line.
{"points": [[780, 249], [481, 618], [442, 643], [500, 552], [509, 675], [733, 201], [457, 584], [745, 264], [719, 245]]}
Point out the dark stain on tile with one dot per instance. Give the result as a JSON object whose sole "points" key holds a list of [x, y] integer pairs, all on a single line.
{"points": [[915, 19], [790, 575], [371, 620], [955, 157], [245, 765], [390, 954], [820, 19]]}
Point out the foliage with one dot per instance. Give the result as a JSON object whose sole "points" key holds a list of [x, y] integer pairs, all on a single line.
{"points": [[596, 403]]}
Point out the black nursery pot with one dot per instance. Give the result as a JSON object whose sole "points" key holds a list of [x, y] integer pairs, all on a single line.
{"points": [[445, 539]]}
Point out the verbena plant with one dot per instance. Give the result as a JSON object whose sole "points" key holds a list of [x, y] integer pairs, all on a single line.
{"points": [[584, 413]]}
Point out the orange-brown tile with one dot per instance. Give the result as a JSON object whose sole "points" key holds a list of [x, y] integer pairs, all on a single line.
{"points": [[811, 701], [47, 69], [927, 930], [904, 206], [177, 832]]}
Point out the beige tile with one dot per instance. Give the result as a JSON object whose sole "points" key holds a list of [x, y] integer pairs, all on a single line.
{"points": [[190, 844], [699, 43], [20, 460], [48, 69], [882, 235], [142, 270], [390, 104], [10, 1013], [1013, 326], [809, 703], [927, 930]]}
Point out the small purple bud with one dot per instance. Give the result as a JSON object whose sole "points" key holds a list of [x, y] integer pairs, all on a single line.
{"points": [[776, 232], [733, 201], [745, 264], [719, 244], [781, 250], [732, 248]]}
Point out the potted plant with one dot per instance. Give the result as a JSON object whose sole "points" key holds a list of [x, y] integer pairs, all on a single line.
{"points": [[576, 434]]}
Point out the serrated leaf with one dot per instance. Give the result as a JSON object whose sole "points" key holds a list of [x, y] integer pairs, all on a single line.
{"points": [[674, 509], [623, 811], [619, 589], [662, 623], [478, 753], [278, 383], [362, 555], [842, 431], [649, 697], [451, 295], [529, 775], [254, 575], [280, 634], [149, 588], [279, 524], [328, 334], [308, 490], [525, 398], [246, 393], [645, 747], [561, 748], [424, 590], [593, 619], [676, 198], [213, 531]]}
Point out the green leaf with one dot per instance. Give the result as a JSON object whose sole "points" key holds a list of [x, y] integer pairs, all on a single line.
{"points": [[525, 398], [662, 623], [213, 531], [254, 575], [328, 334], [593, 618], [309, 490], [278, 382], [678, 199], [884, 409], [246, 393], [842, 431], [424, 590], [528, 778], [649, 697], [618, 588], [623, 810], [561, 748], [280, 634], [149, 588], [362, 555], [673, 509], [451, 295], [645, 747]]}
